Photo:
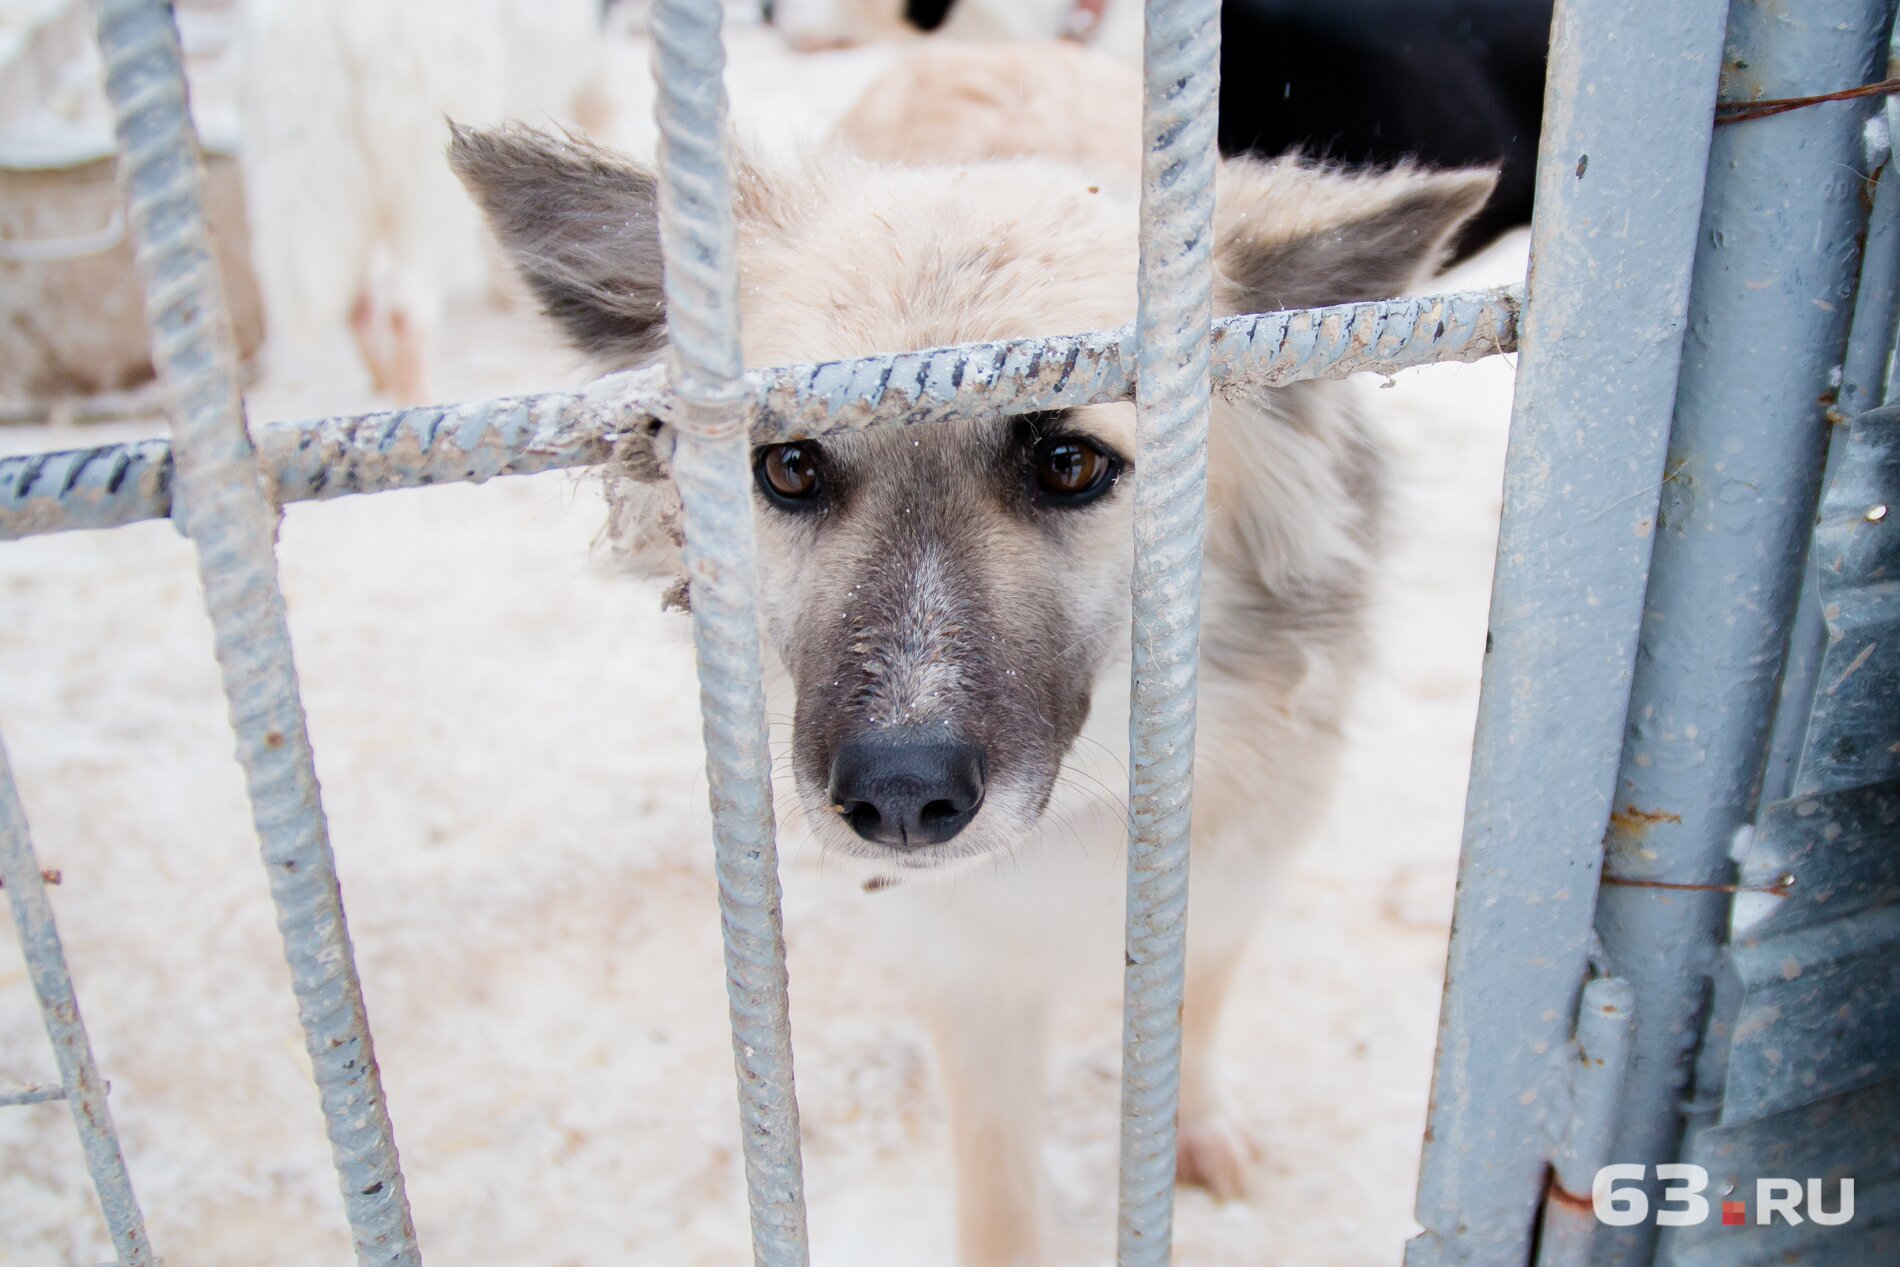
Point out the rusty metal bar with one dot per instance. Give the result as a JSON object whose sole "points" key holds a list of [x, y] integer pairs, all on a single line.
{"points": [[81, 1086], [32, 1092], [222, 507], [117, 484], [1182, 75], [712, 465]]}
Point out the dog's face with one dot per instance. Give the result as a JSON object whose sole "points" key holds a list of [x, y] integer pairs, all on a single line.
{"points": [[945, 596]]}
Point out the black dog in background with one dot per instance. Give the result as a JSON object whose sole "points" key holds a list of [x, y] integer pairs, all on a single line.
{"points": [[1450, 83]]}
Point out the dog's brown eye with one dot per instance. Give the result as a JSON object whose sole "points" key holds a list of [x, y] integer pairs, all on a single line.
{"points": [[788, 472], [1071, 470]]}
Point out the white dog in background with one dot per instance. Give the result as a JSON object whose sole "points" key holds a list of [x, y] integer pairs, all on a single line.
{"points": [[355, 218], [956, 102]]}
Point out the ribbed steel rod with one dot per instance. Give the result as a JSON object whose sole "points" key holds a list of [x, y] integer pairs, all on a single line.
{"points": [[82, 1088], [1175, 306], [117, 484], [221, 505], [712, 469]]}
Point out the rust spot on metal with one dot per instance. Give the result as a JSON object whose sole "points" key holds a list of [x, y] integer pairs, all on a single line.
{"points": [[1570, 1200], [1634, 822], [48, 875]]}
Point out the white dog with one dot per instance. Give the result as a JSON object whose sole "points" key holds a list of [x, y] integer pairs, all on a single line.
{"points": [[951, 602], [354, 218]]}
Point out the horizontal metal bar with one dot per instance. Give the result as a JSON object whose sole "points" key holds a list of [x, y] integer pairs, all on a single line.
{"points": [[118, 484], [48, 875], [32, 1093]]}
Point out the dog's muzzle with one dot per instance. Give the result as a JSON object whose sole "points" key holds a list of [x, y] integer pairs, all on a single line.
{"points": [[905, 790]]}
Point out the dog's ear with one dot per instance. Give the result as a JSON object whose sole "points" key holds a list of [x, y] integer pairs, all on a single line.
{"points": [[582, 225], [1292, 234]]}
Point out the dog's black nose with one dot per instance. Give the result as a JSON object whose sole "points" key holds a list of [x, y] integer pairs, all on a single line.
{"points": [[903, 790]]}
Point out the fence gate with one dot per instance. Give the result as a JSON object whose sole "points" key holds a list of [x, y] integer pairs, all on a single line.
{"points": [[1625, 546], [1686, 359]]}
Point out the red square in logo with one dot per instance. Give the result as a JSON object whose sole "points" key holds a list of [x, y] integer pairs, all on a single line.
{"points": [[1734, 1213]]}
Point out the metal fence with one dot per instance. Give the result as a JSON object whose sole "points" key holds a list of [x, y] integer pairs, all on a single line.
{"points": [[1622, 229]]}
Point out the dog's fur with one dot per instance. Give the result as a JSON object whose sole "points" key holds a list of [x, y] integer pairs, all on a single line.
{"points": [[956, 102], [931, 593], [354, 219]]}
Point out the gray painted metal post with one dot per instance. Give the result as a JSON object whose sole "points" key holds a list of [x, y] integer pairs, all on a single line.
{"points": [[220, 505], [1863, 386], [1182, 71], [1599, 1064], [1774, 286], [1627, 116], [81, 1086], [712, 469]]}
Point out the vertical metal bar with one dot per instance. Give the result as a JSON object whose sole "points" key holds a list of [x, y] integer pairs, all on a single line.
{"points": [[85, 1091], [1774, 286], [1605, 1022], [1182, 71], [1863, 386], [712, 470], [220, 504], [1627, 115]]}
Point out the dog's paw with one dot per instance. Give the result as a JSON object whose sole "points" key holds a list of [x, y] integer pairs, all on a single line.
{"points": [[1216, 1153]]}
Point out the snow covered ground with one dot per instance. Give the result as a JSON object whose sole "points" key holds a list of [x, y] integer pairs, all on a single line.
{"points": [[508, 742]]}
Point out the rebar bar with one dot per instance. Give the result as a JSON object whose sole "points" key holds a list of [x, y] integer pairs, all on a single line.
{"points": [[80, 1084], [712, 469], [1175, 306], [221, 505], [117, 484]]}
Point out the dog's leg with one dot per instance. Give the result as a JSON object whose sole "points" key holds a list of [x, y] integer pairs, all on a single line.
{"points": [[364, 323], [1212, 1150], [409, 357], [991, 1050]]}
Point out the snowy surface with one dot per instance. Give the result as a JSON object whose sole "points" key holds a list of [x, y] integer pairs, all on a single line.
{"points": [[508, 744]]}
